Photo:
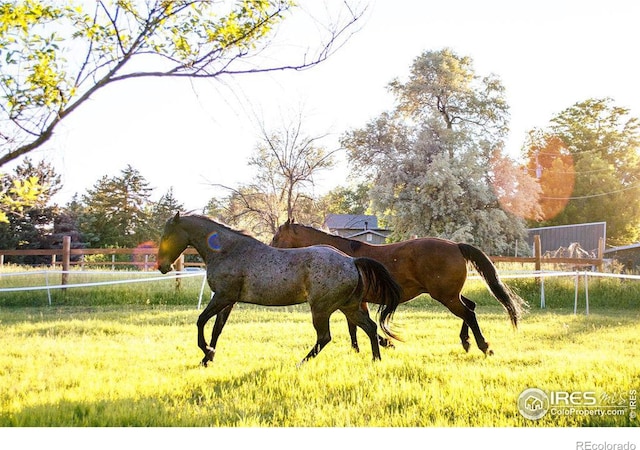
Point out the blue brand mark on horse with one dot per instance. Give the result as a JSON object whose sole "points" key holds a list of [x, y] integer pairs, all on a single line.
{"points": [[213, 241]]}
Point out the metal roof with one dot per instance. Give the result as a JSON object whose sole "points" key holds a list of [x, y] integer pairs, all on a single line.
{"points": [[351, 222]]}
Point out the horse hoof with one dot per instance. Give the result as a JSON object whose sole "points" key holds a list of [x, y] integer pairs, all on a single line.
{"points": [[301, 363], [208, 356], [466, 346]]}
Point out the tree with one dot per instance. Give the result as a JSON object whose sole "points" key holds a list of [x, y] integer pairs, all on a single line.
{"points": [[517, 191], [551, 163], [116, 211], [432, 160], [160, 211], [347, 200], [443, 85], [56, 55], [30, 225], [285, 162], [601, 144]]}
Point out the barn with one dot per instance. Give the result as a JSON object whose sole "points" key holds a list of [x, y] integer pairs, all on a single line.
{"points": [[587, 235]]}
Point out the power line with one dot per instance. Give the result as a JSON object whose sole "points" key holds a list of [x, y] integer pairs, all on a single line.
{"points": [[582, 197], [576, 172]]}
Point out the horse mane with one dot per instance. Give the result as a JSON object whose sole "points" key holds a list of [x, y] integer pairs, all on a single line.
{"points": [[217, 222], [353, 244]]}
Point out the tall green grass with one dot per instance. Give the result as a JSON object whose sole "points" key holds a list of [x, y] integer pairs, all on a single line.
{"points": [[138, 366]]}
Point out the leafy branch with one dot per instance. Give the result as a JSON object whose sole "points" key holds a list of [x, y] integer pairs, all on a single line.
{"points": [[55, 57]]}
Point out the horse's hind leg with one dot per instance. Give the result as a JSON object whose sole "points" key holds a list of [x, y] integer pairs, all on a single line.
{"points": [[464, 331], [460, 309], [382, 341], [361, 318], [321, 324]]}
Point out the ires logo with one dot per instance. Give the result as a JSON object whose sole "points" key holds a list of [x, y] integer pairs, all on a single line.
{"points": [[563, 398], [534, 403]]}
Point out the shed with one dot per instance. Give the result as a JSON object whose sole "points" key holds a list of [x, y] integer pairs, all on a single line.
{"points": [[586, 234]]}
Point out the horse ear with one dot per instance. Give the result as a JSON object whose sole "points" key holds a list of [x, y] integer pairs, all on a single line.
{"points": [[176, 218]]}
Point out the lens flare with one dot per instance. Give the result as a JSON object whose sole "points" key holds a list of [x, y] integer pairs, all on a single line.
{"points": [[140, 257], [539, 190]]}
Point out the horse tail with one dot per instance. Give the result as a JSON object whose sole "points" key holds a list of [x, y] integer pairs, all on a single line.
{"points": [[380, 287], [512, 302]]}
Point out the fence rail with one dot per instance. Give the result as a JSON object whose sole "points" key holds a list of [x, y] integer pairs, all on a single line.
{"points": [[144, 258], [149, 259]]}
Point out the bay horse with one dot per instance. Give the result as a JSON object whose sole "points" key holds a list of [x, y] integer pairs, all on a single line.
{"points": [[433, 266], [243, 269]]}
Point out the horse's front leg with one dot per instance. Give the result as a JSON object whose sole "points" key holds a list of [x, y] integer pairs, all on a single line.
{"points": [[221, 320], [321, 324], [214, 307]]}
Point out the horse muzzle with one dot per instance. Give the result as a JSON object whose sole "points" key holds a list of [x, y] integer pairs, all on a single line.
{"points": [[164, 268]]}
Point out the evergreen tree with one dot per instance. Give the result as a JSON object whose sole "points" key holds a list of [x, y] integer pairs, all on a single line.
{"points": [[32, 225], [160, 211], [116, 210]]}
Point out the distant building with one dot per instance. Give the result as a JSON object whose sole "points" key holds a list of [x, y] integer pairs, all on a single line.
{"points": [[360, 227], [587, 235]]}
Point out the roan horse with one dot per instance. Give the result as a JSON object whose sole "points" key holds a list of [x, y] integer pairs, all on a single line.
{"points": [[242, 269], [433, 266]]}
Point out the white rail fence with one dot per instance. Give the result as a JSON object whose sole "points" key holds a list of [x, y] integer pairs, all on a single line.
{"points": [[148, 277], [576, 275], [132, 277]]}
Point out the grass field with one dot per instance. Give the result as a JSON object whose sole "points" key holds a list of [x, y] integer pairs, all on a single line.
{"points": [[128, 357]]}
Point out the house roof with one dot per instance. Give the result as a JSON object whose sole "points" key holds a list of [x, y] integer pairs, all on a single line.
{"points": [[622, 248], [364, 232], [351, 222]]}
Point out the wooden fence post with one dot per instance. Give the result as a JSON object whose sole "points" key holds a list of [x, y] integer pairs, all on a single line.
{"points": [[537, 252], [66, 258], [600, 253], [179, 268]]}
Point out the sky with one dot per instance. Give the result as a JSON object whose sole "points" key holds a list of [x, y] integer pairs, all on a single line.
{"points": [[189, 136]]}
